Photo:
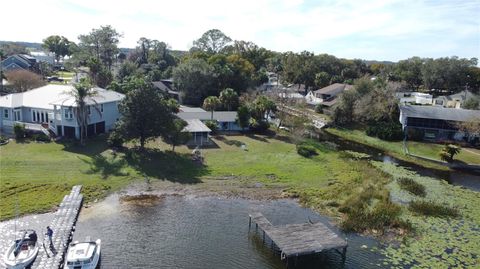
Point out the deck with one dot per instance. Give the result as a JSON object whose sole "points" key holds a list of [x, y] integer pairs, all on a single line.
{"points": [[294, 240], [63, 225]]}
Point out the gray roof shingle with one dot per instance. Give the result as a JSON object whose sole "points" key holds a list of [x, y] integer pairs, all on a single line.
{"points": [[440, 113]]}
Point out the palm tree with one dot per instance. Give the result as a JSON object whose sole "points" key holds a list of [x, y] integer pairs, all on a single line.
{"points": [[81, 91], [229, 98], [211, 103]]}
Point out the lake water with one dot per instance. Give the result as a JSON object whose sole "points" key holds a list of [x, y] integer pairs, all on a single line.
{"points": [[192, 232]]}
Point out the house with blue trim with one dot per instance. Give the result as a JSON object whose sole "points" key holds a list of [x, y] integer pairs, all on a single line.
{"points": [[51, 109]]}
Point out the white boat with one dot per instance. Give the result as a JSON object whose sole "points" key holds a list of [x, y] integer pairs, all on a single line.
{"points": [[83, 255], [23, 251]]}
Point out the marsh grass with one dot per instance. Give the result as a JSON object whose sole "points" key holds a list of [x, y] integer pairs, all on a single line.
{"points": [[412, 186], [429, 208], [371, 209]]}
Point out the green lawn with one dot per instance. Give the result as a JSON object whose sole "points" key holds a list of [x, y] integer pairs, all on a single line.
{"points": [[423, 149], [40, 174]]}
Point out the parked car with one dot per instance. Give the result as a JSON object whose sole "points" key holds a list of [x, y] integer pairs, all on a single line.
{"points": [[54, 78]]}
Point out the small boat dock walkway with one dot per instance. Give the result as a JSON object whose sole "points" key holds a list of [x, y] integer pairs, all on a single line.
{"points": [[294, 240], [63, 225]]}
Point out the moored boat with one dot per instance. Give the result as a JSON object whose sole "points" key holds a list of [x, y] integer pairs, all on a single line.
{"points": [[83, 255], [23, 250]]}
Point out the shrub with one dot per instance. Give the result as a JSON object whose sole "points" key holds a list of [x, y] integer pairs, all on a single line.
{"points": [[448, 152], [415, 134], [412, 186], [259, 126], [19, 131], [3, 139], [306, 150], [41, 137], [429, 208], [389, 131], [319, 108], [115, 139], [212, 125]]}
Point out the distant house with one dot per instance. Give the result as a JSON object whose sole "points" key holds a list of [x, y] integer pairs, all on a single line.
{"points": [[166, 86], [19, 61], [199, 132], [50, 109], [327, 96], [418, 98], [455, 100], [227, 120], [437, 123]]}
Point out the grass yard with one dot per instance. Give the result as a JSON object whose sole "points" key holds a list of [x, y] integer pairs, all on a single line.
{"points": [[36, 176], [395, 149], [40, 174]]}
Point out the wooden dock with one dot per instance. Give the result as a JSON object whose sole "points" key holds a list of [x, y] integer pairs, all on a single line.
{"points": [[63, 225], [294, 240]]}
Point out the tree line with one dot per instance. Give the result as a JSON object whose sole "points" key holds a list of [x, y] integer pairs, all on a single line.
{"points": [[216, 62]]}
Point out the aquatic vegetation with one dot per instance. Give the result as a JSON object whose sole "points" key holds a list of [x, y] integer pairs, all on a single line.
{"points": [[429, 208], [437, 242], [412, 186]]}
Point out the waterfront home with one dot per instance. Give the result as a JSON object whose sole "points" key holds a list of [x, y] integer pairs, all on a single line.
{"points": [[327, 96], [438, 123], [227, 120], [455, 100], [199, 132], [51, 109]]}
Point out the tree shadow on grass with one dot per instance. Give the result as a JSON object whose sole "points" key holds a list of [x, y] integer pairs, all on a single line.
{"points": [[93, 146], [171, 166], [259, 138], [106, 167]]}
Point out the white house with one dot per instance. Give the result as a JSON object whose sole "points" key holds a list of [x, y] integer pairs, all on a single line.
{"points": [[326, 95], [51, 109], [418, 98]]}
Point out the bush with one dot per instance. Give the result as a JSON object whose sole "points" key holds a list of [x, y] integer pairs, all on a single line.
{"points": [[306, 150], [115, 139], [412, 186], [259, 126], [415, 134], [19, 130], [390, 131], [41, 137], [3, 139], [429, 208], [212, 125], [319, 109]]}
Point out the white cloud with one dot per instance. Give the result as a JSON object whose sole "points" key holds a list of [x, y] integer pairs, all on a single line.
{"points": [[348, 28]]}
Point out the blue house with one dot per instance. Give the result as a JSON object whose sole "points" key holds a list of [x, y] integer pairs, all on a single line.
{"points": [[19, 61], [51, 109]]}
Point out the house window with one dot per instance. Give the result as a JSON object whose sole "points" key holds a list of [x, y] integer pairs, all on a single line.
{"points": [[34, 118], [5, 113], [68, 114], [101, 108], [89, 110]]}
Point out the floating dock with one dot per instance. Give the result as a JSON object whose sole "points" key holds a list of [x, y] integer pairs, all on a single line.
{"points": [[294, 240], [63, 225]]}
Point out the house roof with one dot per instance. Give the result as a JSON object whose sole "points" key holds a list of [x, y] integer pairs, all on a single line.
{"points": [[196, 126], [221, 116], [165, 85], [191, 109], [47, 96], [334, 89], [440, 113]]}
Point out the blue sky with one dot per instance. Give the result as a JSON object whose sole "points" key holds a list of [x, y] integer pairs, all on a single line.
{"points": [[377, 29]]}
